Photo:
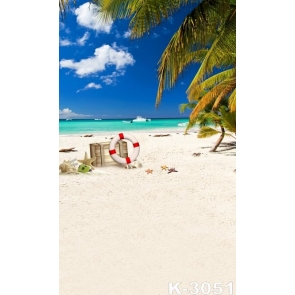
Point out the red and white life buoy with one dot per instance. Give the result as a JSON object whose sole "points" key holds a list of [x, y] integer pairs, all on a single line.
{"points": [[113, 152]]}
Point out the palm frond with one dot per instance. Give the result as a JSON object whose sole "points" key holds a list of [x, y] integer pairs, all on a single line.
{"points": [[197, 32], [64, 5], [171, 66], [184, 106], [207, 132], [222, 53], [228, 119], [190, 124], [144, 14], [205, 118], [228, 88], [211, 82], [223, 89], [232, 101]]}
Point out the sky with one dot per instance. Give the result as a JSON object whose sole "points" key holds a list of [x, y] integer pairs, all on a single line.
{"points": [[105, 74]]}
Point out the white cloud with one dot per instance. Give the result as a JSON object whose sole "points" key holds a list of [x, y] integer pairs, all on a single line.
{"points": [[62, 26], [108, 81], [69, 114], [82, 40], [111, 79], [103, 56], [90, 85], [65, 42], [93, 85], [89, 16], [127, 34], [115, 46]]}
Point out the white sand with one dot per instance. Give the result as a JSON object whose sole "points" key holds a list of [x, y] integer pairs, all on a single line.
{"points": [[123, 231]]}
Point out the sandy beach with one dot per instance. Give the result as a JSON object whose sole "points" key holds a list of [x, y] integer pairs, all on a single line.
{"points": [[129, 232]]}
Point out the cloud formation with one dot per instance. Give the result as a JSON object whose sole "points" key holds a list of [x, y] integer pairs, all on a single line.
{"points": [[82, 40], [127, 34], [89, 16], [89, 86], [103, 56], [69, 114], [111, 79], [65, 42]]}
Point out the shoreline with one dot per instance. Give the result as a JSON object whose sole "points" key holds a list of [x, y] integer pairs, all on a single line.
{"points": [[152, 131]]}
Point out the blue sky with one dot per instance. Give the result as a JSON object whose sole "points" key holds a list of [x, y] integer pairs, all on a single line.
{"points": [[105, 74]]}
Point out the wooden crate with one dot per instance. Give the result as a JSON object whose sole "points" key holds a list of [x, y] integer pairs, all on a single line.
{"points": [[100, 150]]}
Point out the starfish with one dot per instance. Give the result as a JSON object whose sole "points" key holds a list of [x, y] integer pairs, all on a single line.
{"points": [[164, 167], [149, 171], [87, 161], [172, 170]]}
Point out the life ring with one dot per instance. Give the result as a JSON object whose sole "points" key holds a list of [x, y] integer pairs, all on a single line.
{"points": [[113, 152]]}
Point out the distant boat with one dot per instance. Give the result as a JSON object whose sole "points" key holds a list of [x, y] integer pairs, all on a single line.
{"points": [[97, 119], [182, 124], [140, 119], [68, 119]]}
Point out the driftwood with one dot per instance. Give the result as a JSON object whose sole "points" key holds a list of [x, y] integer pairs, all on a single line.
{"points": [[196, 154], [67, 150], [87, 135], [161, 135]]}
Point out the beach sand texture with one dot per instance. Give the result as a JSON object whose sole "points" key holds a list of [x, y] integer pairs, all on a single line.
{"points": [[123, 231]]}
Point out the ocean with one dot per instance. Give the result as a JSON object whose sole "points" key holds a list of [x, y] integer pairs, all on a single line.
{"points": [[105, 126]]}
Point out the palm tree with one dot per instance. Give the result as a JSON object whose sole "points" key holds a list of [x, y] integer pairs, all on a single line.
{"points": [[224, 118], [207, 35]]}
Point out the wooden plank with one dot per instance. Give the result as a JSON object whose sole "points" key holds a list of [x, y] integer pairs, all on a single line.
{"points": [[95, 152], [101, 152]]}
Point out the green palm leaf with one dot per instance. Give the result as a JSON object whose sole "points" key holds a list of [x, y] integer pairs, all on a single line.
{"points": [[170, 68], [222, 53], [232, 101], [212, 82], [144, 14], [228, 119], [207, 132], [219, 91], [184, 106], [197, 31]]}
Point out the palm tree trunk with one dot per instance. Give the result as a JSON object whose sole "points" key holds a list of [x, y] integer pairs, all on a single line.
{"points": [[218, 142]]}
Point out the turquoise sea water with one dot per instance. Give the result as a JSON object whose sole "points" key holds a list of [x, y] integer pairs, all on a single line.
{"points": [[97, 127]]}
